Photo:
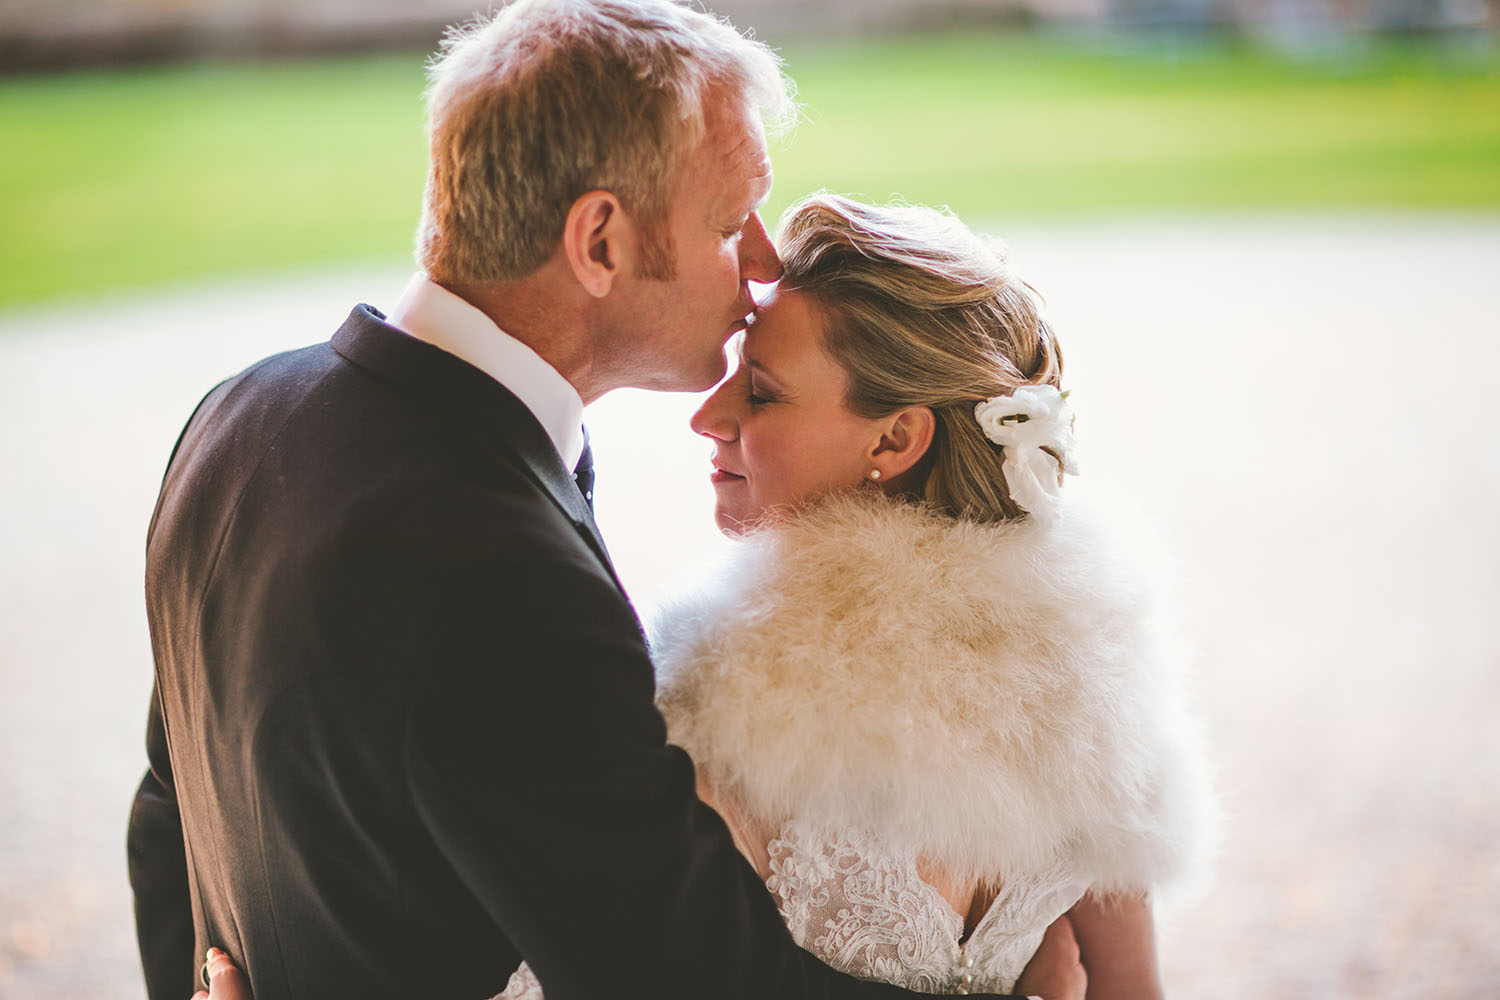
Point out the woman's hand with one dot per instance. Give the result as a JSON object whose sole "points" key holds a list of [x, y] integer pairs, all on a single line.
{"points": [[225, 982], [1054, 972]]}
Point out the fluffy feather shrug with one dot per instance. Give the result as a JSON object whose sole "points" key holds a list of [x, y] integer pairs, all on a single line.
{"points": [[998, 699]]}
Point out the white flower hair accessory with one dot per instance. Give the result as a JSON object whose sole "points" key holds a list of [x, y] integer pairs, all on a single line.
{"points": [[1031, 418]]}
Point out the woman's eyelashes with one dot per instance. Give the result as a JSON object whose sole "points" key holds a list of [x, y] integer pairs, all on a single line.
{"points": [[758, 393]]}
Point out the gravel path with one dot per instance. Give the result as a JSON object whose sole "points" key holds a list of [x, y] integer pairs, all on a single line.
{"points": [[1307, 405]]}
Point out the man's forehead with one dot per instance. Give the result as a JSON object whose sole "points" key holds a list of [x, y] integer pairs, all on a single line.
{"points": [[731, 196], [733, 131], [742, 165], [760, 184]]}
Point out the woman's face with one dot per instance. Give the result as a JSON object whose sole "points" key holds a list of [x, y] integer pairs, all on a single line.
{"points": [[780, 430]]}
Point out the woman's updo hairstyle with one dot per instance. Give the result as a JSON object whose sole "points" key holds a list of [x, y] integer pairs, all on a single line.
{"points": [[921, 312]]}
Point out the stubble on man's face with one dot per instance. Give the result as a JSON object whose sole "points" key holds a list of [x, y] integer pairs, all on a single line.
{"points": [[714, 243], [658, 253]]}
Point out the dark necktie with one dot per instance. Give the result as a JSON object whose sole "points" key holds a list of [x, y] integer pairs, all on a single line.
{"points": [[583, 473]]}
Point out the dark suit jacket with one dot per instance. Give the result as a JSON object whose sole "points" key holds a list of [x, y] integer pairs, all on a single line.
{"points": [[403, 732]]}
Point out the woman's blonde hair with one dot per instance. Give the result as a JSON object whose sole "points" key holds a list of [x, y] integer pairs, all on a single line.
{"points": [[553, 98], [921, 312]]}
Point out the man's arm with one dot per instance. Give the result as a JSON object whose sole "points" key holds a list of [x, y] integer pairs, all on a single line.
{"points": [[158, 872], [538, 761]]}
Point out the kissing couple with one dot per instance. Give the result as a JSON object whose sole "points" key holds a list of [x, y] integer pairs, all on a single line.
{"points": [[408, 738]]}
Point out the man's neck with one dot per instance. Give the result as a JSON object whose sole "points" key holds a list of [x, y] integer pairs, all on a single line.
{"points": [[434, 314], [545, 322]]}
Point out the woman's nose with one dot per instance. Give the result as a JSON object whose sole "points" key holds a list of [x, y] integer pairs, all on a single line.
{"points": [[715, 418]]}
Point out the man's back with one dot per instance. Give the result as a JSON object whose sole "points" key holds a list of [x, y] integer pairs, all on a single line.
{"points": [[315, 526]]}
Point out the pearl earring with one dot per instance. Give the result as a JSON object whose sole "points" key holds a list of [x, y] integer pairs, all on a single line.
{"points": [[874, 473]]}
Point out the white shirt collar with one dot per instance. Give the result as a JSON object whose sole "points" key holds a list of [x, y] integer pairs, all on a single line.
{"points": [[431, 313]]}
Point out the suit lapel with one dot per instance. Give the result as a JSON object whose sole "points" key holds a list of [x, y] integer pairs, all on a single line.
{"points": [[547, 469], [366, 340]]}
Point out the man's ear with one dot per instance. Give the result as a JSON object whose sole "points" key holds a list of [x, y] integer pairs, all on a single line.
{"points": [[904, 439], [594, 239]]}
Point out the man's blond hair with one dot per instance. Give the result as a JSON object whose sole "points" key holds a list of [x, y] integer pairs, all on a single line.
{"points": [[550, 99]]}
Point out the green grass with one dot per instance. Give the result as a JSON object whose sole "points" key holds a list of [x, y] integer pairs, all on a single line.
{"points": [[121, 179], [998, 128]]}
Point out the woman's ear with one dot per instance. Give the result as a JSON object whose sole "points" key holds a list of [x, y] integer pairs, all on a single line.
{"points": [[594, 238], [903, 441]]}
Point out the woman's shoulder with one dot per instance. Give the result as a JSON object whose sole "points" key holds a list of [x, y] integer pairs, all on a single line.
{"points": [[957, 686], [859, 571]]}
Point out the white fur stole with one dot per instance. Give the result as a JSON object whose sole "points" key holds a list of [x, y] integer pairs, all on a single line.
{"points": [[998, 699]]}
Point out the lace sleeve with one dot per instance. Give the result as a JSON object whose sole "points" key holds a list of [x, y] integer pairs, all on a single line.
{"points": [[523, 985]]}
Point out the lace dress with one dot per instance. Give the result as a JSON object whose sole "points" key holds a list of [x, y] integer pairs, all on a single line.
{"points": [[870, 662], [864, 910]]}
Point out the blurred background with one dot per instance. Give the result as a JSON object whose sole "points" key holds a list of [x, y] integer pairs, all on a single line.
{"points": [[1269, 235]]}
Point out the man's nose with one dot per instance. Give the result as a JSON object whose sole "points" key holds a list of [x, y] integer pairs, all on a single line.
{"points": [[758, 258]]}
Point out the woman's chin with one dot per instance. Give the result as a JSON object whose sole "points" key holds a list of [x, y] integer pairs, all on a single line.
{"points": [[729, 524], [737, 519]]}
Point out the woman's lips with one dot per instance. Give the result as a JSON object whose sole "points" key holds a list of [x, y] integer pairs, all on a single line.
{"points": [[723, 475]]}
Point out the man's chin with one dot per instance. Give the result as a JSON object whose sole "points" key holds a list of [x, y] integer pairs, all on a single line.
{"points": [[701, 379], [711, 376]]}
